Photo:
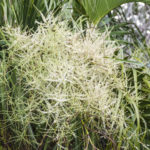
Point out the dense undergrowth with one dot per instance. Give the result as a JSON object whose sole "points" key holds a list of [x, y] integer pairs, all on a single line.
{"points": [[66, 85], [63, 89]]}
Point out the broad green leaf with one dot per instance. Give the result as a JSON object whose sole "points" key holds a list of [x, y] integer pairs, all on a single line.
{"points": [[97, 9]]}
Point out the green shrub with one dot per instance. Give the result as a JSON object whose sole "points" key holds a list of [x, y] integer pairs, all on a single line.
{"points": [[62, 90]]}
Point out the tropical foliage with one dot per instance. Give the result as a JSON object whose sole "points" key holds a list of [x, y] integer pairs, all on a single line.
{"points": [[69, 82], [97, 9]]}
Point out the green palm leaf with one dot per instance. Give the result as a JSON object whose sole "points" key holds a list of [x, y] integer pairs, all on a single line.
{"points": [[97, 9]]}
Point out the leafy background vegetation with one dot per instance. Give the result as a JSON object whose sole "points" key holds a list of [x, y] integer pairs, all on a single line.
{"points": [[25, 31]]}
